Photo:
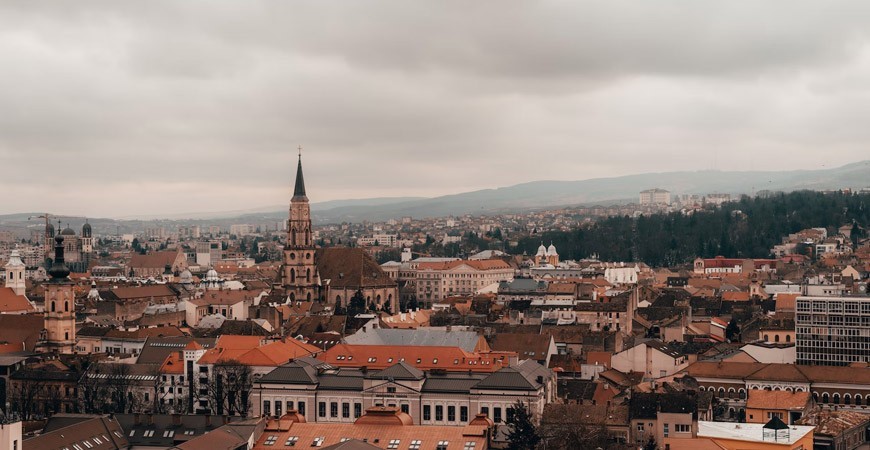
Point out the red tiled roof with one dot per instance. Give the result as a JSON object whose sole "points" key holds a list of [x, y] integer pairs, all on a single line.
{"points": [[12, 303], [154, 260], [378, 357], [250, 351]]}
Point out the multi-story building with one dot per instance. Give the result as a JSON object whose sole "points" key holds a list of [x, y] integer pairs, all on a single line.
{"points": [[832, 331], [438, 280], [326, 394], [655, 197]]}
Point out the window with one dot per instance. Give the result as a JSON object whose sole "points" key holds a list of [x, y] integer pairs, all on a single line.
{"points": [[333, 409], [666, 433], [270, 440], [451, 413], [484, 410], [405, 408], [357, 410], [148, 433], [469, 445], [771, 415], [168, 433], [439, 413], [394, 443], [345, 410], [427, 412], [442, 445], [321, 409], [301, 408], [510, 413], [318, 441], [291, 441], [463, 414], [267, 408], [496, 415], [391, 389], [415, 444], [278, 408], [640, 427], [682, 428]]}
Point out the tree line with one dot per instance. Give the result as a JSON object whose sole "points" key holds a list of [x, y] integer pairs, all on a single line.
{"points": [[747, 228]]}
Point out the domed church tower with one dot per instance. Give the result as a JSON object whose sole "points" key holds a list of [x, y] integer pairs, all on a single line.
{"points": [[299, 271], [59, 334]]}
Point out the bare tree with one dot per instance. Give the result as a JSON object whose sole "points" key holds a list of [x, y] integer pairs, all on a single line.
{"points": [[567, 427], [24, 395], [229, 388]]}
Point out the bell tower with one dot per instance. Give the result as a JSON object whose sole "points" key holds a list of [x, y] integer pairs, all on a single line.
{"points": [[299, 271], [15, 273], [60, 317]]}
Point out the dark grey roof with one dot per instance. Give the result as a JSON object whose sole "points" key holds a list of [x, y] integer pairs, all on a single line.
{"points": [[161, 423], [522, 285], [462, 384], [399, 371], [293, 373], [342, 380], [506, 378], [157, 349], [467, 340]]}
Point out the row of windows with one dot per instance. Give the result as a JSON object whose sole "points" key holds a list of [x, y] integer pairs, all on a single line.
{"points": [[451, 413]]}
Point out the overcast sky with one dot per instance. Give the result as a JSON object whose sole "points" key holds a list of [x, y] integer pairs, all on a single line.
{"points": [[122, 108]]}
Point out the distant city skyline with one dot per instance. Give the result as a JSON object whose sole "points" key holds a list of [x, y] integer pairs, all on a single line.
{"points": [[116, 109]]}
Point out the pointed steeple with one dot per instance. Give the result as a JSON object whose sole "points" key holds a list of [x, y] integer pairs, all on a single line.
{"points": [[299, 190]]}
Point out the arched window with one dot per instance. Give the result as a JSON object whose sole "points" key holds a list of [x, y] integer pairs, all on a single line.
{"points": [[52, 306], [825, 398], [776, 338], [816, 396], [731, 413], [836, 399], [730, 392], [767, 338], [337, 299], [308, 296], [292, 297], [293, 236], [292, 275], [776, 388], [742, 394], [788, 338], [858, 399], [721, 392], [789, 389], [847, 399], [66, 306], [308, 275], [702, 388], [307, 237], [378, 299]]}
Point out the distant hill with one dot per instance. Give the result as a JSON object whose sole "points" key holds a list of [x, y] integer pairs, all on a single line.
{"points": [[541, 194], [548, 194]]}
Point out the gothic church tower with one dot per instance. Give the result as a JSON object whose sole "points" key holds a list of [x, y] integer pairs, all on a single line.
{"points": [[299, 272]]}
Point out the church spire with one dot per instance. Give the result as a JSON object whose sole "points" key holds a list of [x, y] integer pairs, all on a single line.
{"points": [[299, 190]]}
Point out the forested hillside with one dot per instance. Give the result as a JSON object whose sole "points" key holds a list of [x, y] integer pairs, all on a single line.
{"points": [[747, 228]]}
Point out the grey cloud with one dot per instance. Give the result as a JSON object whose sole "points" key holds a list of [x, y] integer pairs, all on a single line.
{"points": [[197, 105]]}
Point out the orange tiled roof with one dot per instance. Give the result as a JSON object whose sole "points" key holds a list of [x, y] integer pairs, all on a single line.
{"points": [[250, 351], [9, 302], [378, 433], [174, 364], [759, 399], [786, 302], [378, 357]]}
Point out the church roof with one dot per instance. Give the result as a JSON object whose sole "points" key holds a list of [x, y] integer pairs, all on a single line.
{"points": [[350, 268], [299, 189]]}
